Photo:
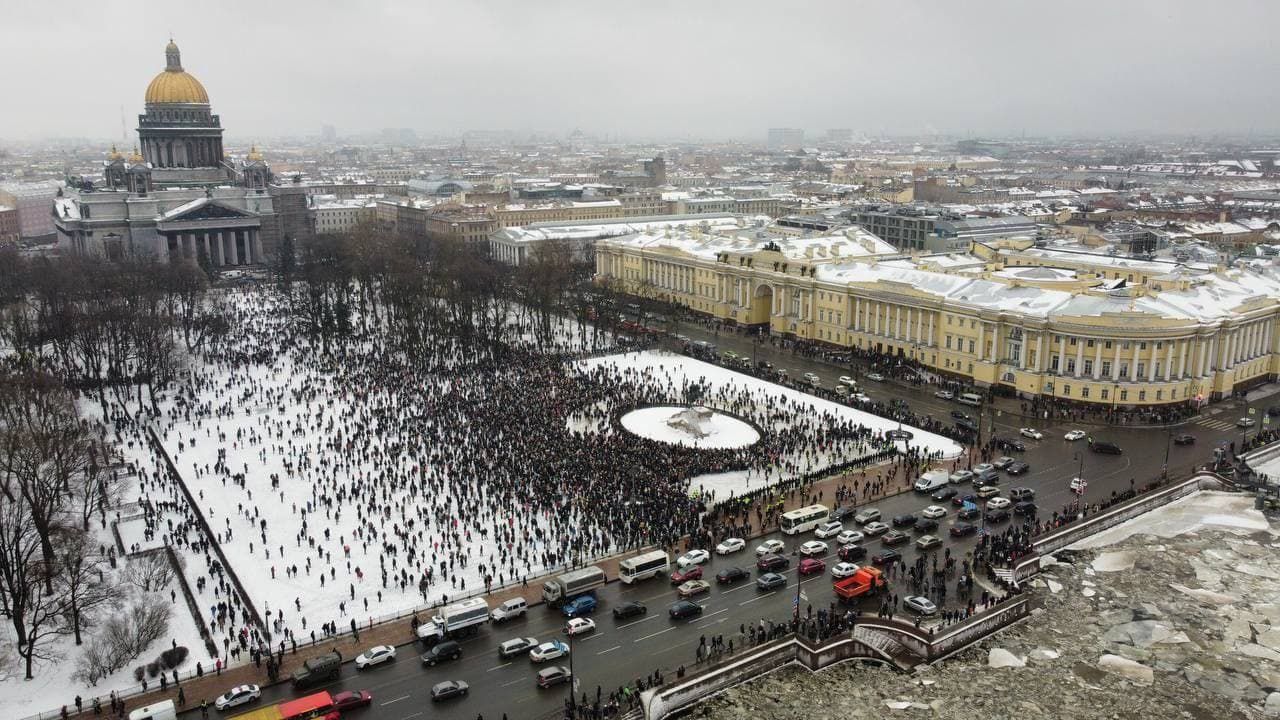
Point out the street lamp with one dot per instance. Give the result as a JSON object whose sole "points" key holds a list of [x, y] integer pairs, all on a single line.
{"points": [[1083, 485]]}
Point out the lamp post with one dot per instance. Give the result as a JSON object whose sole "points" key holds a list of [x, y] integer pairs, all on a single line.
{"points": [[1168, 440], [573, 679], [1083, 484]]}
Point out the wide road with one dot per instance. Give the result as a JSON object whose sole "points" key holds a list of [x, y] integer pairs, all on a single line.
{"points": [[618, 652]]}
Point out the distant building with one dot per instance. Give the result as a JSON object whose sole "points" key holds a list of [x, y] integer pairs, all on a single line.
{"points": [[328, 134], [334, 215], [31, 203], [785, 138], [470, 224], [514, 246], [8, 224], [837, 136]]}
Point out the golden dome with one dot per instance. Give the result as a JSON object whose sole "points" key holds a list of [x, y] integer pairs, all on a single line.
{"points": [[253, 153], [135, 157], [175, 85], [114, 154]]}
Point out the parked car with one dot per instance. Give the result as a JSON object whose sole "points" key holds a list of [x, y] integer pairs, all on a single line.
{"points": [[812, 566], [842, 513], [770, 546], [513, 608], [998, 503], [448, 689], [1078, 485], [813, 548], [919, 605], [944, 494], [1026, 508], [579, 626], [547, 677], [812, 379], [874, 529], [693, 587], [848, 537], [960, 415], [730, 545], [874, 376], [963, 529], [928, 542], [629, 610], [770, 581], [1106, 448], [987, 491], [1019, 494], [442, 651], [884, 557], [926, 525], [968, 513], [961, 476], [693, 557], [1031, 433], [934, 512], [828, 529], [549, 651], [987, 477], [982, 468], [731, 575], [684, 609], [843, 570], [773, 563], [375, 656], [1073, 435], [996, 516], [516, 646], [1184, 439], [1002, 462], [1017, 467], [944, 395], [960, 500], [895, 537], [237, 696], [904, 520]]}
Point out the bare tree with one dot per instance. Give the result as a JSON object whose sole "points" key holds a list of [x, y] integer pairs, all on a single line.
{"points": [[27, 596], [150, 572], [82, 581]]}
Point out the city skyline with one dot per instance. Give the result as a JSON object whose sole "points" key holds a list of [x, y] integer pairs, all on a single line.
{"points": [[660, 71]]}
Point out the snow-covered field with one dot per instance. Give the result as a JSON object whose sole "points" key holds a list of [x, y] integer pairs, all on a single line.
{"points": [[719, 431]]}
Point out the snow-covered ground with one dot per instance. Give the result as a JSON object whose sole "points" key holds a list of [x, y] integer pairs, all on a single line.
{"points": [[718, 431], [1197, 511]]}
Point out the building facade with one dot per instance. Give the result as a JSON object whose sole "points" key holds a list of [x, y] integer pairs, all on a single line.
{"points": [[1077, 327]]}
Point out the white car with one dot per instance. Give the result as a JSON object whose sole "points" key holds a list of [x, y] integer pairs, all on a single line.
{"points": [[237, 696], [1073, 435], [730, 545], [812, 379], [998, 503], [843, 570], [981, 468], [875, 528], [579, 626], [866, 515], [848, 537], [1246, 422], [549, 651], [771, 546], [874, 376], [375, 656], [1078, 485], [920, 605], [693, 587], [934, 511], [828, 529], [693, 557], [813, 548], [848, 381], [862, 397], [944, 394], [1032, 433]]}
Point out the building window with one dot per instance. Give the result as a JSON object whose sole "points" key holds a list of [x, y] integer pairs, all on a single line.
{"points": [[1107, 345], [1142, 395], [1066, 389], [1088, 367], [1073, 342], [1089, 343], [1053, 363], [1071, 365], [1084, 392], [1124, 370], [1141, 367], [1159, 394], [1124, 395], [1142, 346], [948, 342], [970, 347], [1104, 393], [1106, 368]]}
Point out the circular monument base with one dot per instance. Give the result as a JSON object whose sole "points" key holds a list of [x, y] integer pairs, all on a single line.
{"points": [[695, 427]]}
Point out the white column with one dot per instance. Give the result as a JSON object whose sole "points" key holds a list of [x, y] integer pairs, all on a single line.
{"points": [[1182, 357], [1200, 356], [876, 309], [1040, 351], [1211, 360], [235, 251], [897, 322], [982, 340], [857, 314], [1133, 362], [1115, 363], [1151, 364], [219, 251], [931, 316], [205, 240], [1097, 359], [1079, 357], [1168, 362]]}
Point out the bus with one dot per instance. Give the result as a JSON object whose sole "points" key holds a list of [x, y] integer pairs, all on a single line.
{"points": [[316, 705], [643, 566], [804, 519]]}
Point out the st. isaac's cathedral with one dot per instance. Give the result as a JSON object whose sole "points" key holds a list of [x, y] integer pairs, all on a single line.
{"points": [[176, 195]]}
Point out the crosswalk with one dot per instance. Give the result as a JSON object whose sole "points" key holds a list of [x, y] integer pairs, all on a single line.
{"points": [[1215, 423]]}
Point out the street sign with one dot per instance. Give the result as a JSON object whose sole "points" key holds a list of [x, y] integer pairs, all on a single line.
{"points": [[1253, 411]]}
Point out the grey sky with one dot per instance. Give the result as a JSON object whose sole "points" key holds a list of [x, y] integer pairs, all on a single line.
{"points": [[646, 69]]}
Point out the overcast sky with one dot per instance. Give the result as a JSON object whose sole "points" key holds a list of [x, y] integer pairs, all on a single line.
{"points": [[652, 68]]}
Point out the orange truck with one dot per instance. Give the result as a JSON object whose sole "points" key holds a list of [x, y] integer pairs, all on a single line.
{"points": [[865, 580]]}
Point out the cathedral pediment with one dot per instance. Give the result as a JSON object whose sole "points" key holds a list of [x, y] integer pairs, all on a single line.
{"points": [[205, 209]]}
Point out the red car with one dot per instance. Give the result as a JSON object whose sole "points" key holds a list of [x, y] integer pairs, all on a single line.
{"points": [[344, 701], [812, 566], [693, 572]]}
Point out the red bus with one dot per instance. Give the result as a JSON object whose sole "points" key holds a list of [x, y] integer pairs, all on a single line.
{"points": [[316, 705]]}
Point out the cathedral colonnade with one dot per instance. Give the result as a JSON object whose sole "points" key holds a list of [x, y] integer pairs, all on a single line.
{"points": [[224, 247]]}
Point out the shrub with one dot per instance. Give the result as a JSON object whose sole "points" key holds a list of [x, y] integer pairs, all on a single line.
{"points": [[173, 657]]}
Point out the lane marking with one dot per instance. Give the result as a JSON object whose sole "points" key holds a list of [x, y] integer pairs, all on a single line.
{"points": [[615, 647], [513, 682], [758, 597], [646, 637], [402, 697], [406, 717], [499, 667], [637, 622]]}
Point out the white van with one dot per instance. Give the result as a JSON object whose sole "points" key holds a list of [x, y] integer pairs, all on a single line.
{"points": [[163, 710], [970, 399], [932, 480]]}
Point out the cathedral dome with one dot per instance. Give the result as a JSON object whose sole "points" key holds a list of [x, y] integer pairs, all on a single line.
{"points": [[175, 85]]}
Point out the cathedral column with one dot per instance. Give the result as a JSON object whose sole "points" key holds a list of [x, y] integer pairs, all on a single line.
{"points": [[256, 234], [251, 256], [207, 254], [235, 251]]}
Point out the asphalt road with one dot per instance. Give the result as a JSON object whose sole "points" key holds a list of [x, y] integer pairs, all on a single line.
{"points": [[620, 651]]}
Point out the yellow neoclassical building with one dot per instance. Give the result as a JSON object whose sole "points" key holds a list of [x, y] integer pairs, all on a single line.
{"points": [[1067, 324]]}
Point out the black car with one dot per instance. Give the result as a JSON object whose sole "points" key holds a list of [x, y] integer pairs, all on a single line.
{"points": [[443, 650], [945, 493], [844, 512], [850, 553], [771, 581], [629, 610], [449, 689], [925, 525], [884, 557], [906, 520], [967, 424], [968, 513], [959, 415], [1010, 444], [1105, 448], [684, 609], [1017, 467], [1184, 439], [997, 516], [963, 529], [960, 500], [1019, 494], [895, 537], [773, 562], [1025, 508], [731, 575]]}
